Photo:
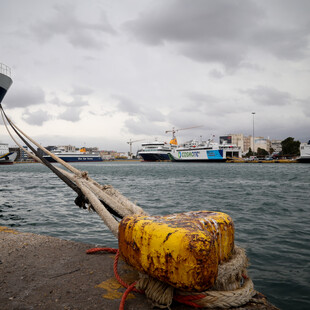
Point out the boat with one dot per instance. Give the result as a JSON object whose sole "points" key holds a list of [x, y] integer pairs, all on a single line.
{"points": [[74, 156], [156, 150], [304, 153], [6, 157], [5, 80], [207, 151]]}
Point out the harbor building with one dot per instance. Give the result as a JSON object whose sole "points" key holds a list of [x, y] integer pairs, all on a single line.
{"points": [[21, 154], [109, 155], [262, 143], [242, 141], [276, 145], [237, 139], [246, 142]]}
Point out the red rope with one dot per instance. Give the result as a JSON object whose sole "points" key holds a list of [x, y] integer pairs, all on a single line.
{"points": [[130, 287], [96, 250], [188, 299]]}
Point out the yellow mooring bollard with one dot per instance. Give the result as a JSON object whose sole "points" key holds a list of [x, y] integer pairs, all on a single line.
{"points": [[183, 250]]}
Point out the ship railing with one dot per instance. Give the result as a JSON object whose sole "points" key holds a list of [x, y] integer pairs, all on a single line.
{"points": [[4, 69]]}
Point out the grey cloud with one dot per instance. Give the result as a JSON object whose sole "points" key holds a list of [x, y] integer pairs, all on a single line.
{"points": [[286, 42], [36, 118], [181, 21], [153, 115], [208, 105], [202, 98], [77, 101], [81, 91], [71, 114], [24, 97], [216, 74], [132, 108], [143, 126], [222, 31], [73, 110], [78, 33], [126, 105], [269, 96], [305, 105]]}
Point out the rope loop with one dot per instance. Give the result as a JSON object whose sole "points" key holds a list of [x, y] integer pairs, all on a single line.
{"points": [[231, 274]]}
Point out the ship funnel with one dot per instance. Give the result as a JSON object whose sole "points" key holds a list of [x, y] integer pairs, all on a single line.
{"points": [[5, 80], [174, 141]]}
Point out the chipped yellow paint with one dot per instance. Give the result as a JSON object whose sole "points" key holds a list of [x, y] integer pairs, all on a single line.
{"points": [[112, 286], [8, 230], [183, 250]]}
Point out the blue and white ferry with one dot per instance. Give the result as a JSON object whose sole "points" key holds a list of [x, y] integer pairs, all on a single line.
{"points": [[207, 151], [75, 156]]}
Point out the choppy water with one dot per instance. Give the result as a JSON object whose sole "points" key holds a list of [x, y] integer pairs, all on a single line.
{"points": [[269, 203]]}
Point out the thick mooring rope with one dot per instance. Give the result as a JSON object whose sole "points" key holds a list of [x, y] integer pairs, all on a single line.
{"points": [[161, 294], [219, 299]]}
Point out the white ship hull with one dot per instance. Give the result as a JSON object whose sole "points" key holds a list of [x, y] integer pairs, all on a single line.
{"points": [[304, 153], [207, 152], [7, 158], [155, 151]]}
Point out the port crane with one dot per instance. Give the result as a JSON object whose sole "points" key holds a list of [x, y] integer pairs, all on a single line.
{"points": [[174, 139], [130, 142]]}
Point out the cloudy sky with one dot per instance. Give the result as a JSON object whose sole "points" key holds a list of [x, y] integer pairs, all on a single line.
{"points": [[99, 72]]}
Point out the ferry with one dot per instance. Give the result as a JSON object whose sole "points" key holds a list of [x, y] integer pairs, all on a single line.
{"points": [[6, 157], [304, 153], [206, 151], [155, 151], [75, 156]]}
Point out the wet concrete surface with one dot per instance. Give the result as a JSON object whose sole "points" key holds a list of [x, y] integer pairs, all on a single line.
{"points": [[41, 272]]}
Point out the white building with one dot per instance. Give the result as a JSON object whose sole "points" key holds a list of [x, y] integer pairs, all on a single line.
{"points": [[276, 145], [262, 143]]}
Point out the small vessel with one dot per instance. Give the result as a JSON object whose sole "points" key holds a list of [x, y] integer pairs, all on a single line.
{"points": [[304, 153], [155, 151], [5, 80], [208, 151], [75, 156], [6, 157]]}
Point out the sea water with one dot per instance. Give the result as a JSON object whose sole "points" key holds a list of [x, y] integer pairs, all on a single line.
{"points": [[269, 204]]}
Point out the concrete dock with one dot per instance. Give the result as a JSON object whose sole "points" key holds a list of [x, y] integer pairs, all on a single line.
{"points": [[41, 272]]}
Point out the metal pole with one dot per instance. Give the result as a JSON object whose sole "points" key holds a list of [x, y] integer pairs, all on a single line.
{"points": [[253, 132]]}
